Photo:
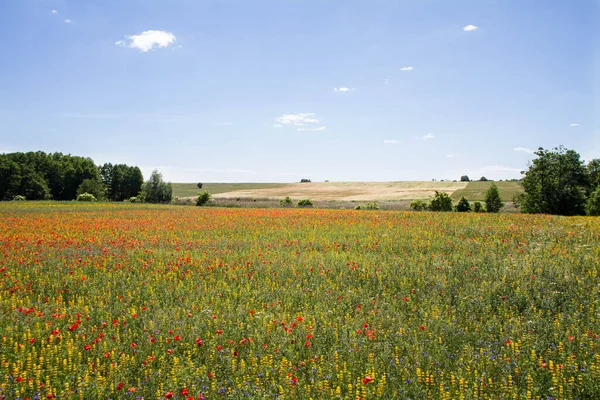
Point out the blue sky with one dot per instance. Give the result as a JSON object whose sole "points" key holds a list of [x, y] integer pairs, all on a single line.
{"points": [[275, 91]]}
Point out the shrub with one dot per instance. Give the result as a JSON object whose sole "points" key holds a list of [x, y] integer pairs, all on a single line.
{"points": [[463, 205], [203, 198], [465, 178], [19, 198], [368, 206], [140, 198], [493, 202], [199, 185], [287, 202], [483, 179], [418, 205], [477, 207], [305, 203], [94, 187], [304, 180], [86, 197], [593, 204], [441, 202]]}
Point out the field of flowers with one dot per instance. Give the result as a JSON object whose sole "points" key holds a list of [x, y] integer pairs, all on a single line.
{"points": [[137, 301]]}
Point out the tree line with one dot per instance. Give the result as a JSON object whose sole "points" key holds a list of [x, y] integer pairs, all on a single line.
{"points": [[56, 176]]}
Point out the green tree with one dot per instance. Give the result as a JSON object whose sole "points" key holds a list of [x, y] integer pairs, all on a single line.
{"points": [[95, 187], [463, 205], [465, 178], [10, 178], [441, 202], [593, 203], [593, 171], [203, 198], [556, 182], [156, 190], [493, 202]]}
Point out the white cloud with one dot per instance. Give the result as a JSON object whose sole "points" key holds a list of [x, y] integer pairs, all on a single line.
{"points": [[386, 81], [343, 89], [277, 126], [450, 155], [574, 124], [148, 40], [315, 129], [409, 68], [68, 21], [470, 28], [54, 12], [391, 141], [428, 136], [300, 119], [523, 150]]}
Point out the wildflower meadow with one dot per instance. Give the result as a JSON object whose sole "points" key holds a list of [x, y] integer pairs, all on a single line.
{"points": [[130, 301]]}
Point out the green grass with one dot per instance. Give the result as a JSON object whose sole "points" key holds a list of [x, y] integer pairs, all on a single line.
{"points": [[190, 189], [475, 191]]}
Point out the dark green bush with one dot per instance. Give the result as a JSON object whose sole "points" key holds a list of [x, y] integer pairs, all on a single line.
{"points": [[441, 202], [203, 198], [305, 203], [463, 205]]}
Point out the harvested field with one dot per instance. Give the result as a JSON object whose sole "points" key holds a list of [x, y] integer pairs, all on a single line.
{"points": [[350, 191]]}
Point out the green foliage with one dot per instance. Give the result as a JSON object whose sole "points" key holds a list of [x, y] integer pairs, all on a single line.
{"points": [[287, 202], [593, 203], [18, 198], [304, 180], [477, 207], [441, 202], [368, 206], [556, 183], [156, 190], [41, 176], [463, 205], [483, 179], [418, 205], [203, 198], [86, 197], [465, 178], [121, 181], [593, 171], [493, 202], [305, 203], [93, 186]]}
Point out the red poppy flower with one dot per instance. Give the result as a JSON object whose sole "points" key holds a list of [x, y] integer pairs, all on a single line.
{"points": [[184, 392], [168, 395], [367, 380]]}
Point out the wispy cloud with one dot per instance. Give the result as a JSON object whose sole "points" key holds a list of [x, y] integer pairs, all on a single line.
{"points": [[409, 68], [450, 155], [574, 125], [315, 129], [277, 126], [226, 123], [428, 136], [54, 12], [470, 28], [300, 119], [148, 40], [391, 141], [343, 89], [386, 81], [523, 150], [68, 21]]}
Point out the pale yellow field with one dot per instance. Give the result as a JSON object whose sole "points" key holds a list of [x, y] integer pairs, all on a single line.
{"points": [[350, 191]]}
